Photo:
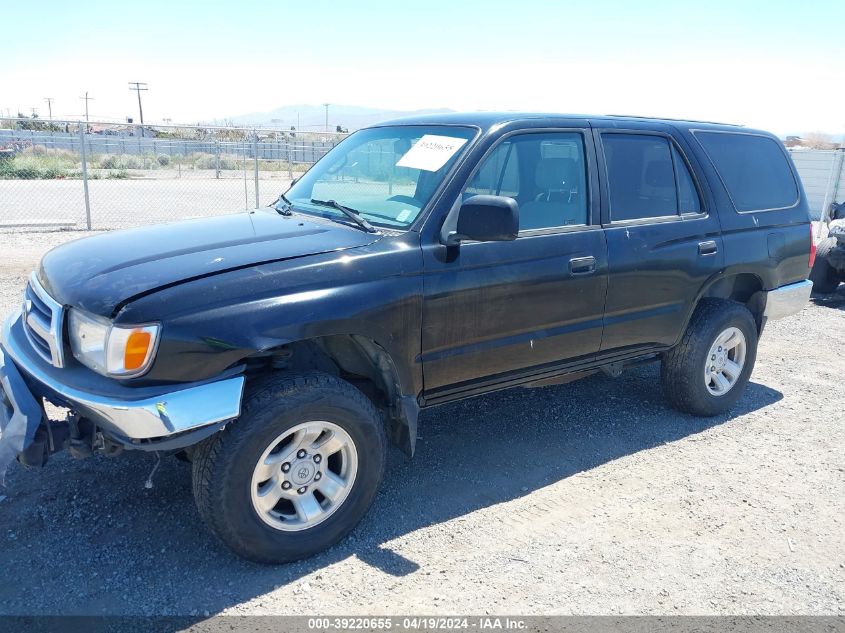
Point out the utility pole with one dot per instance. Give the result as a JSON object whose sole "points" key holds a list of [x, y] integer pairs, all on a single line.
{"points": [[49, 101], [87, 99], [138, 86], [327, 115]]}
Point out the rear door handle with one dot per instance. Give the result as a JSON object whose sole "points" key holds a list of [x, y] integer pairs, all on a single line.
{"points": [[707, 248], [582, 265]]}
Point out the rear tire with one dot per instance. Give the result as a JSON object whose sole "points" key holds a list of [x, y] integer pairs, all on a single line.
{"points": [[707, 372], [825, 277], [313, 443]]}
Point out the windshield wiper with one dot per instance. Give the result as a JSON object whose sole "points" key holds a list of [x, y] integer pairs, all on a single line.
{"points": [[352, 214], [282, 205]]}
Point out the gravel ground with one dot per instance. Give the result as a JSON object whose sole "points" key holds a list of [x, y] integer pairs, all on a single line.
{"points": [[587, 498], [132, 202]]}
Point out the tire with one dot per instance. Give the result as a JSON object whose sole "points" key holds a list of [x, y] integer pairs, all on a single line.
{"points": [[688, 385], [825, 277], [226, 467]]}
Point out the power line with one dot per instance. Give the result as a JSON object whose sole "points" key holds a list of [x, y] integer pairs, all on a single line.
{"points": [[49, 101], [87, 99], [138, 86]]}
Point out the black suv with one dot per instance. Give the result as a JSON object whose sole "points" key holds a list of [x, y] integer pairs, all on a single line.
{"points": [[419, 262]]}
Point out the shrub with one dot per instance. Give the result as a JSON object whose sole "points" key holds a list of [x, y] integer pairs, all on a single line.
{"points": [[109, 162], [208, 161], [62, 156], [32, 168], [204, 161], [163, 160], [7, 169], [34, 150], [122, 161]]}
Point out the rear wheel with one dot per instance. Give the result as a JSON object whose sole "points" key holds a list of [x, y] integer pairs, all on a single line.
{"points": [[706, 373], [296, 472], [825, 277]]}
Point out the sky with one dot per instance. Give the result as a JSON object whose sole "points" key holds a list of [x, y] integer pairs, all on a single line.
{"points": [[776, 65]]}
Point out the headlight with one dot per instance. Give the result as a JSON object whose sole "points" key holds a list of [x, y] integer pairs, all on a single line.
{"points": [[109, 349]]}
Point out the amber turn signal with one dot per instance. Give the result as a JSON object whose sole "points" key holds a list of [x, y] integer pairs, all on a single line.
{"points": [[137, 346]]}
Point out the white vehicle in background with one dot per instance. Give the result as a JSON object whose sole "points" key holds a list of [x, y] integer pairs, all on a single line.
{"points": [[829, 268]]}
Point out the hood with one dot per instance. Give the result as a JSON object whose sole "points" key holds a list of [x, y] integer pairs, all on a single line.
{"points": [[100, 273]]}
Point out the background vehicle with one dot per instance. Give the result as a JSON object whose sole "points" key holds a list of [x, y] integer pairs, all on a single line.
{"points": [[829, 268], [419, 262]]}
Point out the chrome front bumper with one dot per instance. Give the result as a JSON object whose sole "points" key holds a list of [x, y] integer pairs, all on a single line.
{"points": [[787, 300], [129, 413]]}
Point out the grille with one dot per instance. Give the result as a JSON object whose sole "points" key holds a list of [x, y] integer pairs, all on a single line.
{"points": [[42, 323]]}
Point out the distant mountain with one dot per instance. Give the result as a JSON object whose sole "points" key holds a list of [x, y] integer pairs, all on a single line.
{"points": [[313, 117]]}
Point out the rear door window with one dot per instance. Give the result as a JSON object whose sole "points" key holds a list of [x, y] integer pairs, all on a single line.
{"points": [[688, 199], [647, 177], [753, 168]]}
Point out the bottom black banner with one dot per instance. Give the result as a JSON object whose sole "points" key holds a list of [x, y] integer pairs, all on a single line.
{"points": [[516, 623]]}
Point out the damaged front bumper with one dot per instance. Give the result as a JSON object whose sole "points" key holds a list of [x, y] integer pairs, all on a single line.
{"points": [[151, 418]]}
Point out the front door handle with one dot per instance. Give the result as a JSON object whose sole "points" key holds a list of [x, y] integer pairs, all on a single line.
{"points": [[707, 248], [582, 265]]}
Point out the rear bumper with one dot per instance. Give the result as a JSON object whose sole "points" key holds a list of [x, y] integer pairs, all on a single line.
{"points": [[787, 300], [124, 412]]}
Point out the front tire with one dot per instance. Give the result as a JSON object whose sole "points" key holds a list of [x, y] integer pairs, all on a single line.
{"points": [[296, 472], [707, 372]]}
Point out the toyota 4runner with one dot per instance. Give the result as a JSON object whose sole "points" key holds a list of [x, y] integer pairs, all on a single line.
{"points": [[419, 262]]}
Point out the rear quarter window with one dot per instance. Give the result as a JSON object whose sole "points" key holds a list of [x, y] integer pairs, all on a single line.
{"points": [[754, 169]]}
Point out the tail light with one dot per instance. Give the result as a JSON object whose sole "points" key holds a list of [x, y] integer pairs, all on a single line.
{"points": [[812, 248]]}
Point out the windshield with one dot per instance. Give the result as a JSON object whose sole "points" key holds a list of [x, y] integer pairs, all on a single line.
{"points": [[386, 174]]}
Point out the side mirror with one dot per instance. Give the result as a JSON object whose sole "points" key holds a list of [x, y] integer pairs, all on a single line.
{"points": [[486, 219]]}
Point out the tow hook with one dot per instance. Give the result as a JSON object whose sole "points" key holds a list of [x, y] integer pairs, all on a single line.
{"points": [[81, 441], [78, 435]]}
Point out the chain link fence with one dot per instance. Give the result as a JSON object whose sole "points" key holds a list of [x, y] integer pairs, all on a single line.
{"points": [[64, 175], [69, 175]]}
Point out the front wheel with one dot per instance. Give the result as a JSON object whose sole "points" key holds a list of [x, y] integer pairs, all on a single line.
{"points": [[296, 472], [706, 373]]}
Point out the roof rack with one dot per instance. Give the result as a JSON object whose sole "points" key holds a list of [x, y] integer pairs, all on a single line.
{"points": [[663, 118]]}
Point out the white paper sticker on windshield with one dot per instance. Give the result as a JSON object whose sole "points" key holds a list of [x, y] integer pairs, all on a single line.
{"points": [[431, 152]]}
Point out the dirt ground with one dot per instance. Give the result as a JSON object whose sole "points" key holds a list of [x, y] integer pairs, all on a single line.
{"points": [[587, 498], [132, 202]]}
